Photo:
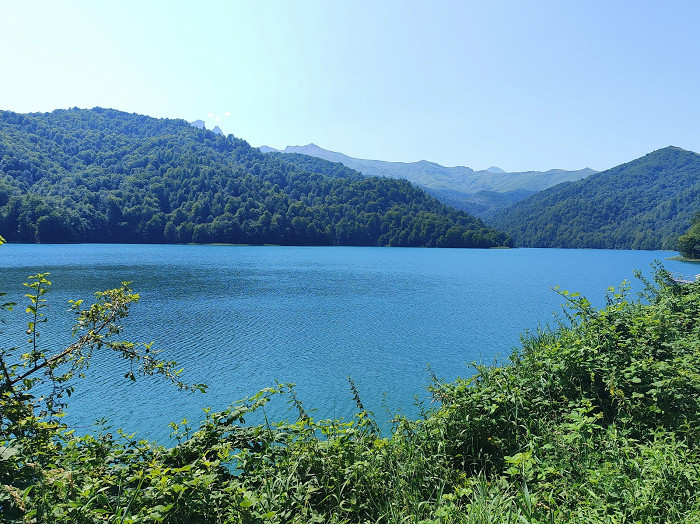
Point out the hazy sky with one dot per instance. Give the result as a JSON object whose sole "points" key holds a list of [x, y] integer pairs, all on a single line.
{"points": [[517, 84]]}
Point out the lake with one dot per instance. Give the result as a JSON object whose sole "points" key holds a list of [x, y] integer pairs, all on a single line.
{"points": [[240, 318]]}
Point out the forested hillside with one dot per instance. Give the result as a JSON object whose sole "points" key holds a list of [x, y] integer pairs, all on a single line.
{"points": [[644, 204], [689, 244], [102, 175], [483, 204]]}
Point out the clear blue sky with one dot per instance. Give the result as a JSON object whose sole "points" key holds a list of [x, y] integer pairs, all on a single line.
{"points": [[517, 84]]}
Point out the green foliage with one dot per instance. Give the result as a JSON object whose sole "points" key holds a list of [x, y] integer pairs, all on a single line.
{"points": [[105, 176], [644, 204], [483, 204], [35, 383], [594, 420], [96, 328], [689, 244]]}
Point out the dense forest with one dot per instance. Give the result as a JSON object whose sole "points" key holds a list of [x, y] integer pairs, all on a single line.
{"points": [[644, 204], [102, 175], [483, 204], [689, 244]]}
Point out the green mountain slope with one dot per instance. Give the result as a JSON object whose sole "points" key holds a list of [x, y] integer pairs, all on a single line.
{"points": [[644, 204], [102, 175], [483, 204]]}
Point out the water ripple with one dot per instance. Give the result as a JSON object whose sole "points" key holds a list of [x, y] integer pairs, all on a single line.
{"points": [[241, 318]]}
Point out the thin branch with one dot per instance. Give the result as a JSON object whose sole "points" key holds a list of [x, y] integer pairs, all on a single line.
{"points": [[81, 342]]}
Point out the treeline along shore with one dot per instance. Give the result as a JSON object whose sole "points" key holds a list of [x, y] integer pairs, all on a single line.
{"points": [[102, 175]]}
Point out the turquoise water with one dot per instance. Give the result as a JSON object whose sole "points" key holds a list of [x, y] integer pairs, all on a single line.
{"points": [[240, 318]]}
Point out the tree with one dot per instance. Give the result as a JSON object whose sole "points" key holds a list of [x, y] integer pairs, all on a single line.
{"points": [[689, 244]]}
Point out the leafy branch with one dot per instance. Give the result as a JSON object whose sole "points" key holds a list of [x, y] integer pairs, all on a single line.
{"points": [[97, 328]]}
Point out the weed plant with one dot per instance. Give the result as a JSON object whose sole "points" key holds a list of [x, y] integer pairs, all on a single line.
{"points": [[596, 419]]}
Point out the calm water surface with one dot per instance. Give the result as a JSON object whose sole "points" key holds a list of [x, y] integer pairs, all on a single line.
{"points": [[240, 318]]}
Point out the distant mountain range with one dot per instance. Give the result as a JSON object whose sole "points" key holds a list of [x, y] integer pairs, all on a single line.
{"points": [[477, 192], [643, 204]]}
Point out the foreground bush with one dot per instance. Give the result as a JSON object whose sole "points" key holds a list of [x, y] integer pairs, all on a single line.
{"points": [[595, 420]]}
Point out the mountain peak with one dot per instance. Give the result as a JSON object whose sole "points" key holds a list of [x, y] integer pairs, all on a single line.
{"points": [[669, 149], [661, 155], [307, 147], [494, 169], [199, 124]]}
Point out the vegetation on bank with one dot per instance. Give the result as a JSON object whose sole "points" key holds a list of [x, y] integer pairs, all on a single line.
{"points": [[689, 244], [102, 175], [594, 420], [643, 204]]}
